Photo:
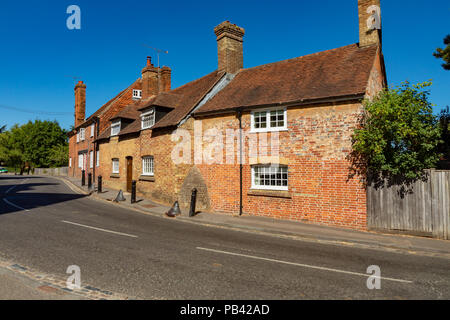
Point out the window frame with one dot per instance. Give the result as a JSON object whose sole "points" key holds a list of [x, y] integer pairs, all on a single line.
{"points": [[152, 173], [97, 158], [273, 188], [92, 130], [269, 128], [113, 171], [139, 95], [148, 113], [82, 134], [115, 124], [91, 159]]}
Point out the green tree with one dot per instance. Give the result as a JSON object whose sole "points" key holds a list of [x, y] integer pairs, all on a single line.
{"points": [[2, 129], [59, 155], [32, 144], [444, 54], [444, 122], [398, 137]]}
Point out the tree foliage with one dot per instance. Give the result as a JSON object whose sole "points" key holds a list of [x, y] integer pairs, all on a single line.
{"points": [[444, 122], [399, 136], [444, 54], [34, 144]]}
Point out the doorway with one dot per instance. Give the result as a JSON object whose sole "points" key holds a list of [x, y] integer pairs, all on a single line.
{"points": [[129, 173]]}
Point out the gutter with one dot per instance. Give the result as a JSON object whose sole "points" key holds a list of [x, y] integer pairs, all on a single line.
{"points": [[239, 116]]}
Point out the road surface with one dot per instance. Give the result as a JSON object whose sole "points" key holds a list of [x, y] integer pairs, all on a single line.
{"points": [[46, 226]]}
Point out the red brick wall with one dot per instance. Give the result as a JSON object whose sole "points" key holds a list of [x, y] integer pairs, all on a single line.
{"points": [[315, 148]]}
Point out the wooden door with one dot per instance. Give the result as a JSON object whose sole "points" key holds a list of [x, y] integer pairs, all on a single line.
{"points": [[129, 173]]}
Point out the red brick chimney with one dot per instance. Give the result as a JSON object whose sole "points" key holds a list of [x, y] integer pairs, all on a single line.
{"points": [[369, 13], [149, 79], [165, 79], [80, 103], [229, 47]]}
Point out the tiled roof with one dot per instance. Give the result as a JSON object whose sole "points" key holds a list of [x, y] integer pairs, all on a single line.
{"points": [[182, 99], [334, 73], [190, 95]]}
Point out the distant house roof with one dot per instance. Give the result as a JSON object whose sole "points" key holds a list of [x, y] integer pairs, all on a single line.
{"points": [[334, 73]]}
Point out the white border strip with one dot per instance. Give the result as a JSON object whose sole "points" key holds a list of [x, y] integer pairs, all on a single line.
{"points": [[100, 229], [15, 206], [302, 265]]}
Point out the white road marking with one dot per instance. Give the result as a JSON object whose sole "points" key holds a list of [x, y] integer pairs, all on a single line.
{"points": [[7, 191], [99, 229], [12, 204], [302, 265]]}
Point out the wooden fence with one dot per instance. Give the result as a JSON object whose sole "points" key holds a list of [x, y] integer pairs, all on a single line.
{"points": [[425, 211]]}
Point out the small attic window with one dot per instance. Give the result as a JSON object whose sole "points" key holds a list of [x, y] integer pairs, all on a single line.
{"points": [[115, 128], [137, 94], [148, 119]]}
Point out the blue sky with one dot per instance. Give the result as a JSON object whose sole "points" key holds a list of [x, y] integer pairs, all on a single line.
{"points": [[38, 52]]}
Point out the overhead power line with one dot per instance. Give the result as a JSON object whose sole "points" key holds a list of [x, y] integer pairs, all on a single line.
{"points": [[49, 113]]}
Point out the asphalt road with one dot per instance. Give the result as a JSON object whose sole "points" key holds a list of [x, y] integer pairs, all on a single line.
{"points": [[48, 227]]}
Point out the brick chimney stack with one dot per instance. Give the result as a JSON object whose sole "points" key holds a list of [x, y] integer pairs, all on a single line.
{"points": [[149, 80], [80, 103], [166, 73], [369, 13], [229, 47]]}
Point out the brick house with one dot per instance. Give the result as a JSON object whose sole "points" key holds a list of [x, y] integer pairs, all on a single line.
{"points": [[294, 118], [83, 151]]}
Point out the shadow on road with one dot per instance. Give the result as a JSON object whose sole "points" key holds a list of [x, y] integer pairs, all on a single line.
{"points": [[27, 196]]}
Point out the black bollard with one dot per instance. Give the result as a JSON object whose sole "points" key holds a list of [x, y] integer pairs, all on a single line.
{"points": [[133, 191], [99, 187], [83, 178], [193, 201], [89, 180]]}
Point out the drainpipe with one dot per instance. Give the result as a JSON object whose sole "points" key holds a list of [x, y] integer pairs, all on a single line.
{"points": [[239, 115]]}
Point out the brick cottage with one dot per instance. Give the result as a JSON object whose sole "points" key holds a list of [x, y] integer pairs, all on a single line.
{"points": [[294, 118]]}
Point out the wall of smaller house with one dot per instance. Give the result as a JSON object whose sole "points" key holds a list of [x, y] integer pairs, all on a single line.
{"points": [[117, 148], [315, 148], [74, 149]]}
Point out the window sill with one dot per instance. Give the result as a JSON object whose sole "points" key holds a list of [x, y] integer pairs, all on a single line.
{"points": [[268, 130], [270, 193], [147, 178], [114, 175]]}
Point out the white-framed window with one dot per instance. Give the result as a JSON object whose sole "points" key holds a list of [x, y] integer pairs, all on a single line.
{"points": [[147, 166], [97, 159], [80, 161], [273, 119], [91, 159], [270, 177], [78, 137], [82, 134], [92, 130], [148, 119], [70, 162], [137, 94], [115, 165], [115, 128]]}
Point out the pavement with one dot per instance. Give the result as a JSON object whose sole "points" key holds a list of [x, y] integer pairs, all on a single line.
{"points": [[47, 225], [281, 228]]}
